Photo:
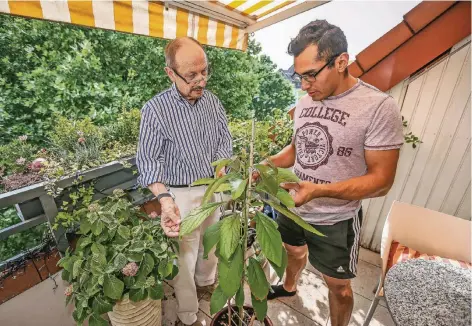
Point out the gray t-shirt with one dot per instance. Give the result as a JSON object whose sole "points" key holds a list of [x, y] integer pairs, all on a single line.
{"points": [[330, 138]]}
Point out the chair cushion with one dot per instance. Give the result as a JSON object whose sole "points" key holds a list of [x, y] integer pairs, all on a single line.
{"points": [[399, 253]]}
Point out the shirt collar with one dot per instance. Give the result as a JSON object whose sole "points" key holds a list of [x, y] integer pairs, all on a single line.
{"points": [[175, 92]]}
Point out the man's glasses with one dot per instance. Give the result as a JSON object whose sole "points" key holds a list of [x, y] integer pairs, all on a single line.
{"points": [[310, 77], [195, 80]]}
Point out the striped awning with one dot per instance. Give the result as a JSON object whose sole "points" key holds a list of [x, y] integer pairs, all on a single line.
{"points": [[223, 23]]}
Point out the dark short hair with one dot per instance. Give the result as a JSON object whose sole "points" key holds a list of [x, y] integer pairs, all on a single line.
{"points": [[173, 46], [329, 39]]}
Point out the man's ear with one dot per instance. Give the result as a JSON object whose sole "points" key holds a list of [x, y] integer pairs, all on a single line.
{"points": [[342, 62], [170, 74]]}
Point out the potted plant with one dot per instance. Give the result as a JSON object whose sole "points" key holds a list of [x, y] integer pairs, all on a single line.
{"points": [[229, 236], [119, 264]]}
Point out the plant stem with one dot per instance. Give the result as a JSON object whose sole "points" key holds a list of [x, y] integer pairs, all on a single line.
{"points": [[229, 313], [253, 318]]}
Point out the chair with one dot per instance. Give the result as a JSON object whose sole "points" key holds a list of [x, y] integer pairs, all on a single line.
{"points": [[426, 231]]}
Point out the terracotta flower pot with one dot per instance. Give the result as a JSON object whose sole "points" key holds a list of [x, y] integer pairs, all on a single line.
{"points": [[143, 313], [221, 316]]}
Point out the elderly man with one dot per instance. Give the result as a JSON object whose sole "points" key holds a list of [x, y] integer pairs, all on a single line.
{"points": [[347, 136], [183, 130]]}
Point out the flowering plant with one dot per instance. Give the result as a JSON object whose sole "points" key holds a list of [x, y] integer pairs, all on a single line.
{"points": [[121, 252]]}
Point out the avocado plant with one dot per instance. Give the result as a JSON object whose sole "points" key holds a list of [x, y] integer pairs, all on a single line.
{"points": [[229, 236]]}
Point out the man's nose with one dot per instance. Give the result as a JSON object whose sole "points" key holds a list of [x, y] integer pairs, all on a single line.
{"points": [[305, 85]]}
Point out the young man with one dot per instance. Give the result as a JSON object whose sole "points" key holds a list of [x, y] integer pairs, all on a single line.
{"points": [[183, 130], [345, 148]]}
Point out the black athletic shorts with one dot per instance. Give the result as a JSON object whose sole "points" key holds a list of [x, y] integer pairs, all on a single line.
{"points": [[336, 253]]}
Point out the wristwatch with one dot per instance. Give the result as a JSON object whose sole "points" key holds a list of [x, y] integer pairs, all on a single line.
{"points": [[165, 194]]}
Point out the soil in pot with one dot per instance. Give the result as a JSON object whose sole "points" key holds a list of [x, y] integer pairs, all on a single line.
{"points": [[221, 318]]}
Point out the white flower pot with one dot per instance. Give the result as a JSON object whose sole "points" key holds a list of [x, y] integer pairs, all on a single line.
{"points": [[143, 313]]}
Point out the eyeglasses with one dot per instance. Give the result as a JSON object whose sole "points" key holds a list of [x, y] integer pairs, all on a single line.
{"points": [[310, 77], [194, 81]]}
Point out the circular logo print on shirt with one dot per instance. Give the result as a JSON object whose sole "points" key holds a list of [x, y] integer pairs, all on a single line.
{"points": [[314, 145]]}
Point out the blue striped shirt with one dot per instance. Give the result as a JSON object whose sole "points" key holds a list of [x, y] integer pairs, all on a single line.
{"points": [[178, 141]]}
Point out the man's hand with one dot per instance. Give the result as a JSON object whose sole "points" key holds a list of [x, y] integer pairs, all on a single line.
{"points": [[301, 192], [170, 217]]}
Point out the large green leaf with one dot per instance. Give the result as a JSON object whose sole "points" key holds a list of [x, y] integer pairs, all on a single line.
{"points": [[156, 292], [239, 189], [269, 238], [214, 186], [124, 232], [257, 279], [136, 295], [280, 270], [97, 227], [135, 256], [240, 296], [77, 268], [294, 217], [85, 227], [285, 198], [97, 320], [203, 181], [146, 266], [165, 268], [286, 175], [113, 287], [120, 261], [217, 301], [211, 238], [269, 181], [220, 164], [230, 233], [231, 272], [260, 306], [196, 217], [98, 248], [101, 306]]}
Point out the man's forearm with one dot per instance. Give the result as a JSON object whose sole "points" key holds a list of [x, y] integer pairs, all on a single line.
{"points": [[367, 186], [285, 158]]}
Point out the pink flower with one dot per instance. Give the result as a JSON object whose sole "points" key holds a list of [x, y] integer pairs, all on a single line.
{"points": [[37, 164], [153, 215], [23, 138], [131, 269], [68, 291], [21, 161], [81, 140], [43, 150], [80, 133]]}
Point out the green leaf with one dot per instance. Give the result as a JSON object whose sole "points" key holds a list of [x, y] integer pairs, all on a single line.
{"points": [[230, 233], [211, 238], [69, 263], [120, 261], [224, 187], [294, 217], [97, 227], [66, 276], [269, 238], [134, 256], [217, 301], [156, 292], [113, 287], [77, 267], [101, 306], [83, 242], [257, 279], [239, 190], [260, 306], [146, 266], [85, 227], [165, 268], [280, 270], [203, 181], [220, 164], [285, 198], [124, 232], [175, 271], [136, 295], [240, 296], [97, 320], [286, 175], [230, 273], [270, 182], [196, 217], [212, 188], [98, 248]]}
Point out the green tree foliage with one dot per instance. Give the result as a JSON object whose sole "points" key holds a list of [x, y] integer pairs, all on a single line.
{"points": [[49, 69]]}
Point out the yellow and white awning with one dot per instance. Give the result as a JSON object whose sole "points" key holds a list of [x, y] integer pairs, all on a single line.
{"points": [[224, 23]]}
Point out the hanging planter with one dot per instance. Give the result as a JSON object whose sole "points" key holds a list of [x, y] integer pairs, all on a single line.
{"points": [[143, 313]]}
